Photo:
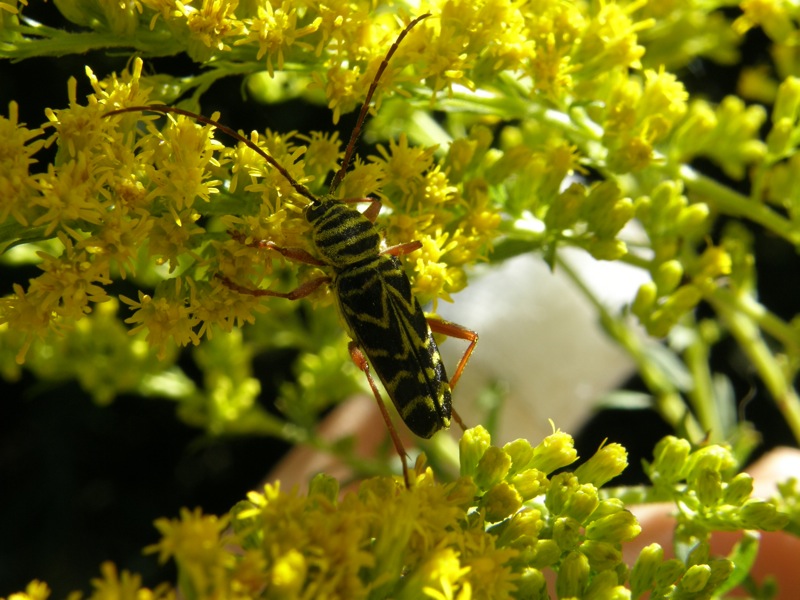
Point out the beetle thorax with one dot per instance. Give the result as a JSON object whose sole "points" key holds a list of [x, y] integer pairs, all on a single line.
{"points": [[342, 236]]}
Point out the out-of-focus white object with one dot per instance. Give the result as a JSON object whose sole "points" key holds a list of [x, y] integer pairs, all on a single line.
{"points": [[541, 338]]}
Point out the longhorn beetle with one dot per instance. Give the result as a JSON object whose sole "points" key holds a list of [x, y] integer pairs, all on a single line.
{"points": [[385, 322]]}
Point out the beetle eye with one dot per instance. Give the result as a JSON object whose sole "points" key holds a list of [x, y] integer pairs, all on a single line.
{"points": [[312, 212]]}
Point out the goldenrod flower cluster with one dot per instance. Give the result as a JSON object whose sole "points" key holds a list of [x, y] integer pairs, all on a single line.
{"points": [[558, 124], [569, 132], [118, 193], [501, 530]]}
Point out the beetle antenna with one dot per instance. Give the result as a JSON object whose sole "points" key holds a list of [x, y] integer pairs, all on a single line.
{"points": [[351, 145]]}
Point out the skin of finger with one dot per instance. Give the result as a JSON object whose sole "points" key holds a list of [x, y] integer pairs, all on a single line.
{"points": [[356, 417]]}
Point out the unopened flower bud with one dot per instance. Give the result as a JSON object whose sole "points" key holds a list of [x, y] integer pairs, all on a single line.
{"points": [[759, 514], [644, 570], [669, 460], [645, 299], [608, 462], [708, 485], [712, 458], [501, 501], [619, 527], [532, 584], [582, 503], [492, 467], [530, 483], [561, 488], [546, 554], [472, 446], [695, 578], [522, 529], [324, 486], [567, 533], [555, 451], [668, 276], [693, 218], [787, 101], [669, 572], [573, 576], [601, 555], [605, 586], [521, 453]]}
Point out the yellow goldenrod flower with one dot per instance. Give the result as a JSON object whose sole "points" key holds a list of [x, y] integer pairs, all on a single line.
{"points": [[17, 185], [166, 318], [194, 538], [36, 590], [114, 585], [275, 29]]}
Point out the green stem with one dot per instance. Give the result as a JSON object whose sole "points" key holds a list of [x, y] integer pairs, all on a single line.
{"points": [[702, 394], [767, 321], [668, 400], [732, 203], [746, 332], [47, 41]]}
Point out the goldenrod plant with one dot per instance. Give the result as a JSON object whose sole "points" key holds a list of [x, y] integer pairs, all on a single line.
{"points": [[502, 128]]}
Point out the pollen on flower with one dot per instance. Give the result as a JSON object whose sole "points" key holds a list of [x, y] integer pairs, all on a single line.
{"points": [[455, 540], [641, 114], [443, 574], [69, 282], [122, 90], [363, 180], [178, 160], [212, 24], [222, 307], [25, 312], [193, 538], [273, 187], [419, 532], [483, 222], [56, 298], [68, 193], [339, 88], [435, 246], [404, 165], [490, 567], [171, 236], [436, 189], [663, 102], [275, 29], [166, 318], [79, 129], [435, 276], [119, 240], [611, 37]]}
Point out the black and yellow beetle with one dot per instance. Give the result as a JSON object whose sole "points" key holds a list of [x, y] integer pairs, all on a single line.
{"points": [[386, 324]]}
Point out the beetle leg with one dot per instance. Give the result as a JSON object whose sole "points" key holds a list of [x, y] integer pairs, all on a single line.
{"points": [[373, 210], [460, 332], [299, 292], [401, 249], [361, 362], [295, 254], [457, 331]]}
